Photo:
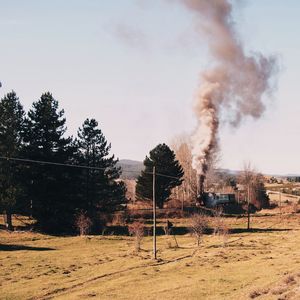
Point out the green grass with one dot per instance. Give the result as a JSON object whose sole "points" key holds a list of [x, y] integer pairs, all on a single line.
{"points": [[36, 266]]}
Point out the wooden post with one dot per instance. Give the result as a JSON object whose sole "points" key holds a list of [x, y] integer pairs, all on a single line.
{"points": [[248, 227], [154, 216], [183, 197]]}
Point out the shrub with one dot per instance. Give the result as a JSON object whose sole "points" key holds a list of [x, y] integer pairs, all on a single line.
{"points": [[137, 230], [198, 225], [83, 223], [218, 220], [220, 226]]}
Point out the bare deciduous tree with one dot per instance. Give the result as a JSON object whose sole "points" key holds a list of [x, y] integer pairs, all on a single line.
{"points": [[247, 175], [83, 223], [137, 230], [217, 223], [254, 188], [198, 225], [187, 192], [220, 227]]}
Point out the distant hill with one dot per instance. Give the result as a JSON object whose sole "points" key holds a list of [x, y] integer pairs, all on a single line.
{"points": [[229, 172], [131, 169], [238, 172]]}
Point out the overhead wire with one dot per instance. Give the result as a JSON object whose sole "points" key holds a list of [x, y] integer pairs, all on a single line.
{"points": [[42, 162], [49, 163]]}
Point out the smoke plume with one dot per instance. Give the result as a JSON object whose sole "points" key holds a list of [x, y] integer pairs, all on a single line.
{"points": [[234, 86]]}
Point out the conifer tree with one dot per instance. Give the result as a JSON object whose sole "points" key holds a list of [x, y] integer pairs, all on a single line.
{"points": [[11, 128], [164, 160], [49, 186], [100, 189]]}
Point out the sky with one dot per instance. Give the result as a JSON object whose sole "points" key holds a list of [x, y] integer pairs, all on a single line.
{"points": [[134, 66]]}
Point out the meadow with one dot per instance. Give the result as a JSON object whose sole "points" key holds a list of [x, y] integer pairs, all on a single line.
{"points": [[262, 263]]}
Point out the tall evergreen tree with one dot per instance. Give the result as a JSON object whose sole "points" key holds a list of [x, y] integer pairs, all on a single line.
{"points": [[11, 128], [164, 160], [48, 186], [100, 189]]}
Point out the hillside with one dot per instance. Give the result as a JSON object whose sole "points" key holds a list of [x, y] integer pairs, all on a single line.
{"points": [[131, 169]]}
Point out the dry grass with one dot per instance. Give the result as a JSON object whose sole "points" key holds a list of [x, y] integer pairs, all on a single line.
{"points": [[36, 266]]}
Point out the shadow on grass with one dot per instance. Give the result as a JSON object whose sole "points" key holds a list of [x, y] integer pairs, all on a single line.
{"points": [[258, 230], [23, 247], [182, 230], [123, 230]]}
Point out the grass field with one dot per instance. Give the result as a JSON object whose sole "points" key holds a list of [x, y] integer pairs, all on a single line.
{"points": [[262, 264], [286, 192]]}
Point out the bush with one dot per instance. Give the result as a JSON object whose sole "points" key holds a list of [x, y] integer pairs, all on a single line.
{"points": [[198, 225], [220, 226], [83, 223], [137, 230]]}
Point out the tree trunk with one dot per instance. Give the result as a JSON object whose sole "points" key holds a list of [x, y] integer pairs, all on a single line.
{"points": [[8, 220]]}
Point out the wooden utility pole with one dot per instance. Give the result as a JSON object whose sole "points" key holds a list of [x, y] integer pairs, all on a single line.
{"points": [[183, 196], [154, 216], [248, 227]]}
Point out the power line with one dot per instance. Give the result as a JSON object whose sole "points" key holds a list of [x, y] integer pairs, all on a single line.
{"points": [[26, 160], [167, 176], [48, 163]]}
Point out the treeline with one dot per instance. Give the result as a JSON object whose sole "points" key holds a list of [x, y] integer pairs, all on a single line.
{"points": [[44, 183]]}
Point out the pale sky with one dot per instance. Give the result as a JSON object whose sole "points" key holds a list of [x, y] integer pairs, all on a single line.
{"points": [[134, 66]]}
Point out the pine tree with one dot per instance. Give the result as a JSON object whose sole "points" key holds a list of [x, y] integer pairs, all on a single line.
{"points": [[163, 158], [49, 186], [100, 189], [11, 127]]}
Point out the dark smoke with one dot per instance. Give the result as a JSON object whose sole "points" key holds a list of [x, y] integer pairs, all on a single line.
{"points": [[234, 85]]}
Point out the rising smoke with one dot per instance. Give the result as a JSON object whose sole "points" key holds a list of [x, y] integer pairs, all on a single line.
{"points": [[233, 88]]}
